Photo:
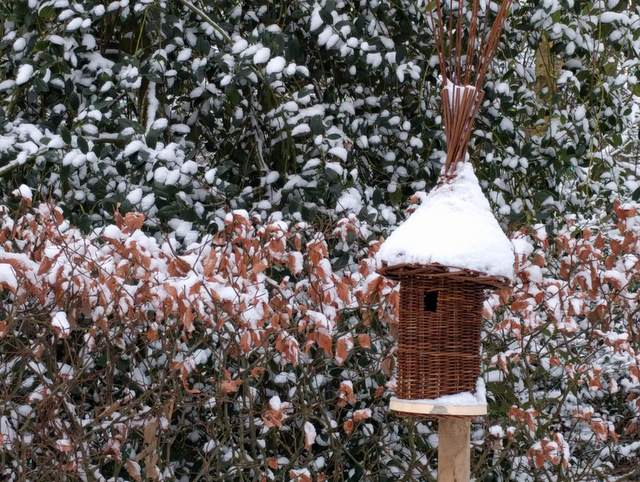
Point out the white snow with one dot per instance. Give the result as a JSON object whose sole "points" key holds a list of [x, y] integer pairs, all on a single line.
{"points": [[466, 399], [272, 177], [133, 147], [610, 17], [61, 324], [148, 202], [135, 196], [160, 124], [19, 44], [339, 152], [350, 200], [75, 24], [458, 92], [453, 227], [275, 403], [261, 56], [300, 129], [309, 433], [7, 84], [24, 192], [7, 431], [275, 65], [8, 276], [374, 59], [496, 431], [184, 55], [506, 125], [180, 129], [24, 74], [316, 20], [239, 46]]}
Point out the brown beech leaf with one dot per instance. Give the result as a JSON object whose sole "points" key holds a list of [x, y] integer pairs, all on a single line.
{"points": [[361, 414], [325, 342], [231, 386], [299, 477], [364, 340], [45, 264], [133, 221], [245, 344], [63, 445], [341, 351], [387, 365], [343, 291], [309, 435], [133, 468], [346, 394]]}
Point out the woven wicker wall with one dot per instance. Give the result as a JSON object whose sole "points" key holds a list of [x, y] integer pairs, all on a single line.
{"points": [[438, 351]]}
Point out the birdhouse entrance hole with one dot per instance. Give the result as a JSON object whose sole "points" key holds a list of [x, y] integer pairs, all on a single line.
{"points": [[431, 301]]}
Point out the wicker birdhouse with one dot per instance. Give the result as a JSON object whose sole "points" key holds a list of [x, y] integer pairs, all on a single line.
{"points": [[450, 251]]}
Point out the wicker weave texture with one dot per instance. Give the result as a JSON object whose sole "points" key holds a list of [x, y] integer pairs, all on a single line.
{"points": [[438, 351]]}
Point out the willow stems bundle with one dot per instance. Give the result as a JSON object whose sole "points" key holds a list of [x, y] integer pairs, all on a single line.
{"points": [[463, 72]]}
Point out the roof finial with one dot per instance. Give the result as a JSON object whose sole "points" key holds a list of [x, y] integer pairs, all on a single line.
{"points": [[463, 74]]}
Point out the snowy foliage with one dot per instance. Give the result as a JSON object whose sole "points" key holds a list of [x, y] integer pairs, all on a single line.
{"points": [[192, 198]]}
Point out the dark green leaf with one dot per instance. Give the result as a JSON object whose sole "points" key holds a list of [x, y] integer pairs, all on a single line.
{"points": [[316, 125], [65, 134], [326, 16], [83, 145]]}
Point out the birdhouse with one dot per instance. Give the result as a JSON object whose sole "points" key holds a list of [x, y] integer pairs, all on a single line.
{"points": [[451, 250], [446, 256]]}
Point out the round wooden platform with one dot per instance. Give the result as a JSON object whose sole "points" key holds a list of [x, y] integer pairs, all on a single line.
{"points": [[424, 408]]}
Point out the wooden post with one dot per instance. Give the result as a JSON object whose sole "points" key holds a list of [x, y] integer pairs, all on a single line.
{"points": [[454, 449]]}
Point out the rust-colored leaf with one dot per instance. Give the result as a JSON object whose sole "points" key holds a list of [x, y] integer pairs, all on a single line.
{"points": [[152, 334], [325, 342], [230, 386], [348, 426], [364, 340], [133, 468], [343, 291], [387, 365], [133, 221], [259, 267], [519, 305], [187, 319], [616, 246], [538, 260], [245, 344], [361, 414], [346, 394], [341, 351], [63, 445], [150, 430], [45, 264]]}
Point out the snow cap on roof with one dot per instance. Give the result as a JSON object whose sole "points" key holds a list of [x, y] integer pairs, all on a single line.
{"points": [[455, 227]]}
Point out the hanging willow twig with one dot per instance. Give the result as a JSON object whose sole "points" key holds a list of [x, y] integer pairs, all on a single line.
{"points": [[463, 69]]}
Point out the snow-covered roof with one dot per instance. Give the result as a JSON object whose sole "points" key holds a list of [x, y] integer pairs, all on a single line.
{"points": [[455, 227]]}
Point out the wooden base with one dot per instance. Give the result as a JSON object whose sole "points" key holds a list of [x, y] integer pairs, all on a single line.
{"points": [[454, 453], [424, 408]]}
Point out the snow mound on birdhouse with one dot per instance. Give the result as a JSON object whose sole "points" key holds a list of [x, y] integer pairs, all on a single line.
{"points": [[465, 399], [454, 227]]}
